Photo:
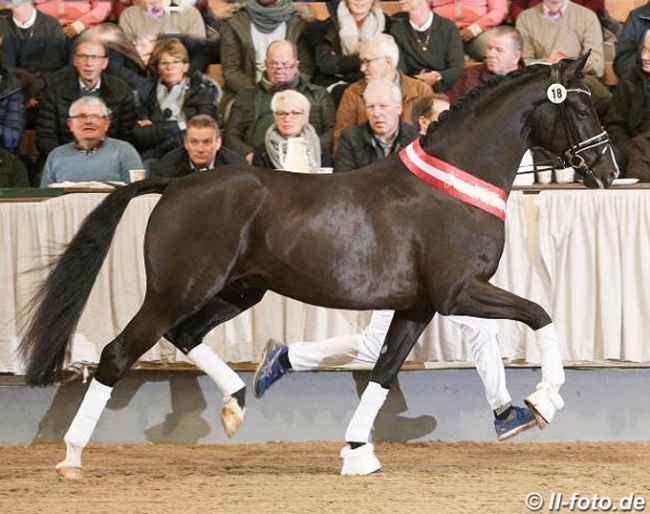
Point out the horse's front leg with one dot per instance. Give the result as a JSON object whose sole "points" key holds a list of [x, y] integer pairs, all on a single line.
{"points": [[358, 456], [482, 299]]}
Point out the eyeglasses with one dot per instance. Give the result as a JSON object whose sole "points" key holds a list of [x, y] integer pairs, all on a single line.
{"points": [[286, 114], [84, 117], [90, 58], [366, 62], [173, 62], [280, 65]]}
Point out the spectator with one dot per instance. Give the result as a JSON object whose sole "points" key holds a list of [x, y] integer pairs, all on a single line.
{"points": [[12, 171], [202, 150], [126, 60], [160, 17], [559, 28], [12, 109], [379, 59], [630, 40], [87, 79], [175, 97], [251, 112], [33, 44], [628, 118], [75, 15], [428, 109], [245, 43], [337, 41], [473, 18], [382, 135], [430, 46], [92, 156], [519, 6], [291, 120], [503, 55]]}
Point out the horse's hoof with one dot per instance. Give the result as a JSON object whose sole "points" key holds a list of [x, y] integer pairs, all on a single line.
{"points": [[544, 403], [69, 473], [360, 461], [232, 416]]}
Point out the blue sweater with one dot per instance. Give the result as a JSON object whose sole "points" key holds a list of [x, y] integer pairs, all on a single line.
{"points": [[112, 161]]}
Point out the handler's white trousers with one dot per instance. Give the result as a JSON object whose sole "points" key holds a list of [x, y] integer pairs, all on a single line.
{"points": [[364, 348]]}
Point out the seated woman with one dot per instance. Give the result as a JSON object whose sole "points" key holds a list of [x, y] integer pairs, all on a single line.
{"points": [[175, 96], [291, 120], [430, 46], [336, 41]]}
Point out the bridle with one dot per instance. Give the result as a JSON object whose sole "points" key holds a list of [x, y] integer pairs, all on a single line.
{"points": [[572, 156]]}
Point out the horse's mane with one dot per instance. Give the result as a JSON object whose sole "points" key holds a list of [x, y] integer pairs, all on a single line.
{"points": [[476, 94]]}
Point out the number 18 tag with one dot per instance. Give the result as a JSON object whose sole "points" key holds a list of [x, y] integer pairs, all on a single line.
{"points": [[556, 93]]}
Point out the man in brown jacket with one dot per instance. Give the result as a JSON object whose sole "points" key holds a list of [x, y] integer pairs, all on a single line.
{"points": [[379, 60]]}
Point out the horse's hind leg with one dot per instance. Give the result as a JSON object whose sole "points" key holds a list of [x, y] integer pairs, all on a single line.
{"points": [[188, 336], [482, 299], [358, 456], [142, 332]]}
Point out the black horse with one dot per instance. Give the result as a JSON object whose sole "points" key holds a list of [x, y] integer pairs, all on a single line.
{"points": [[414, 233]]}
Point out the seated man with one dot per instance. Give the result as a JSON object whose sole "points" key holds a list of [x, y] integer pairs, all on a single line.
{"points": [[160, 17], [427, 110], [503, 55], [379, 60], [473, 19], [382, 135], [201, 151], [628, 119], [87, 79], [92, 156], [559, 28], [251, 113], [630, 40]]}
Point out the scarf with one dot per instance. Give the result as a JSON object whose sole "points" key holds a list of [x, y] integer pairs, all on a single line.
{"points": [[171, 100], [274, 88], [267, 19], [273, 139], [351, 35]]}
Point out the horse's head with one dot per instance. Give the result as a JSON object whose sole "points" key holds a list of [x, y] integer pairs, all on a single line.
{"points": [[565, 123]]}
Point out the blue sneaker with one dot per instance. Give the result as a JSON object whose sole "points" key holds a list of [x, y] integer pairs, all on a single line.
{"points": [[269, 369], [519, 420]]}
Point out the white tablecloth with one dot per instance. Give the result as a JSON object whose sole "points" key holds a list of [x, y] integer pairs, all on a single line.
{"points": [[583, 255]]}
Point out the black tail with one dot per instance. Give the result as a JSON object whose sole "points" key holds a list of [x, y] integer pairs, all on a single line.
{"points": [[57, 306]]}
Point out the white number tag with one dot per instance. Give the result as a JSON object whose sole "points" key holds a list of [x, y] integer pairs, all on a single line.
{"points": [[556, 93]]}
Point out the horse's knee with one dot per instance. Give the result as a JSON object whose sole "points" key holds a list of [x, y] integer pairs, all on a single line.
{"points": [[183, 341]]}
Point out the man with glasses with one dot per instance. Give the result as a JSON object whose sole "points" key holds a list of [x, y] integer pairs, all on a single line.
{"points": [[379, 60], [86, 79], [251, 114], [92, 156]]}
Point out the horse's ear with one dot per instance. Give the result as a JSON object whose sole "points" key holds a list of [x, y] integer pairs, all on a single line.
{"points": [[574, 69]]}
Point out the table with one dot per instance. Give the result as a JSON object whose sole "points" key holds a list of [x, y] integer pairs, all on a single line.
{"points": [[581, 254]]}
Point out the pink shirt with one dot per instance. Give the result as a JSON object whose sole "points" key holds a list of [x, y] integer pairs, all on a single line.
{"points": [[85, 14], [484, 13]]}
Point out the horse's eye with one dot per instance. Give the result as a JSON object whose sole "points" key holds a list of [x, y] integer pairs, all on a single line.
{"points": [[583, 114]]}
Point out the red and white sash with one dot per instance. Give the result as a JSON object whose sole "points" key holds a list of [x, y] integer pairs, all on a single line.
{"points": [[453, 181]]}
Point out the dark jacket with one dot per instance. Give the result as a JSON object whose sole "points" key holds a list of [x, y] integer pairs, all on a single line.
{"points": [[12, 109], [262, 159], [177, 162], [630, 41], [625, 114], [252, 105], [358, 148], [45, 51], [12, 171], [331, 65], [52, 128], [154, 141]]}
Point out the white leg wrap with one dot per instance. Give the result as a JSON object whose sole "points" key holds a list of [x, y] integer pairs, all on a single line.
{"points": [[481, 334], [364, 417], [546, 400], [211, 364], [92, 406]]}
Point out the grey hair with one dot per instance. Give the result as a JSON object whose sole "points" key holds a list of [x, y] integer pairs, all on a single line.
{"points": [[291, 98], [90, 101], [386, 45], [395, 91]]}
